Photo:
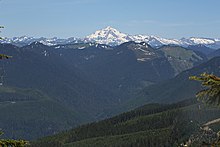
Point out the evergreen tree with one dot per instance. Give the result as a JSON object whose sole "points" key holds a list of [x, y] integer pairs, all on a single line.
{"points": [[211, 94]]}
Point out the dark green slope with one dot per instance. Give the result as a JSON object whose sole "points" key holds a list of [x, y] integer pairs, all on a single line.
{"points": [[178, 88], [141, 138], [29, 114], [127, 68], [73, 100], [92, 80], [98, 73], [41, 67], [149, 125], [117, 69]]}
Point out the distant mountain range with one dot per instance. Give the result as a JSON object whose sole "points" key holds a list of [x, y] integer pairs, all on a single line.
{"points": [[111, 36], [87, 81], [56, 84]]}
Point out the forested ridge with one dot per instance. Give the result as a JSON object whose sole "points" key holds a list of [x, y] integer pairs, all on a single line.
{"points": [[149, 125]]}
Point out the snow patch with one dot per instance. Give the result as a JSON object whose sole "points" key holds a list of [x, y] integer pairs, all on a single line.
{"points": [[111, 36]]}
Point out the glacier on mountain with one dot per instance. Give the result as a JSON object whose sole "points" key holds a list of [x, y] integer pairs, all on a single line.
{"points": [[111, 36]]}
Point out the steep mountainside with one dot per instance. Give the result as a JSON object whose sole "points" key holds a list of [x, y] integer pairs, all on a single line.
{"points": [[181, 58], [40, 67], [106, 73], [150, 125], [178, 88], [88, 79], [130, 66]]}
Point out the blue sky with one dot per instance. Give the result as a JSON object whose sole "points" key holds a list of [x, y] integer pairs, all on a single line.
{"points": [[78, 18]]}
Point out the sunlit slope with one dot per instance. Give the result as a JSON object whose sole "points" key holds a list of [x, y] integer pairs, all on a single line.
{"points": [[149, 125]]}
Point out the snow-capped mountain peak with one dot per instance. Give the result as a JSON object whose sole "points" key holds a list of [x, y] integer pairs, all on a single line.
{"points": [[202, 40], [110, 29], [107, 32], [25, 40], [108, 35], [111, 36]]}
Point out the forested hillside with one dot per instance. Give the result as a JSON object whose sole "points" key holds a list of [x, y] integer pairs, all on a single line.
{"points": [[177, 88], [29, 113], [149, 125], [90, 81]]}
